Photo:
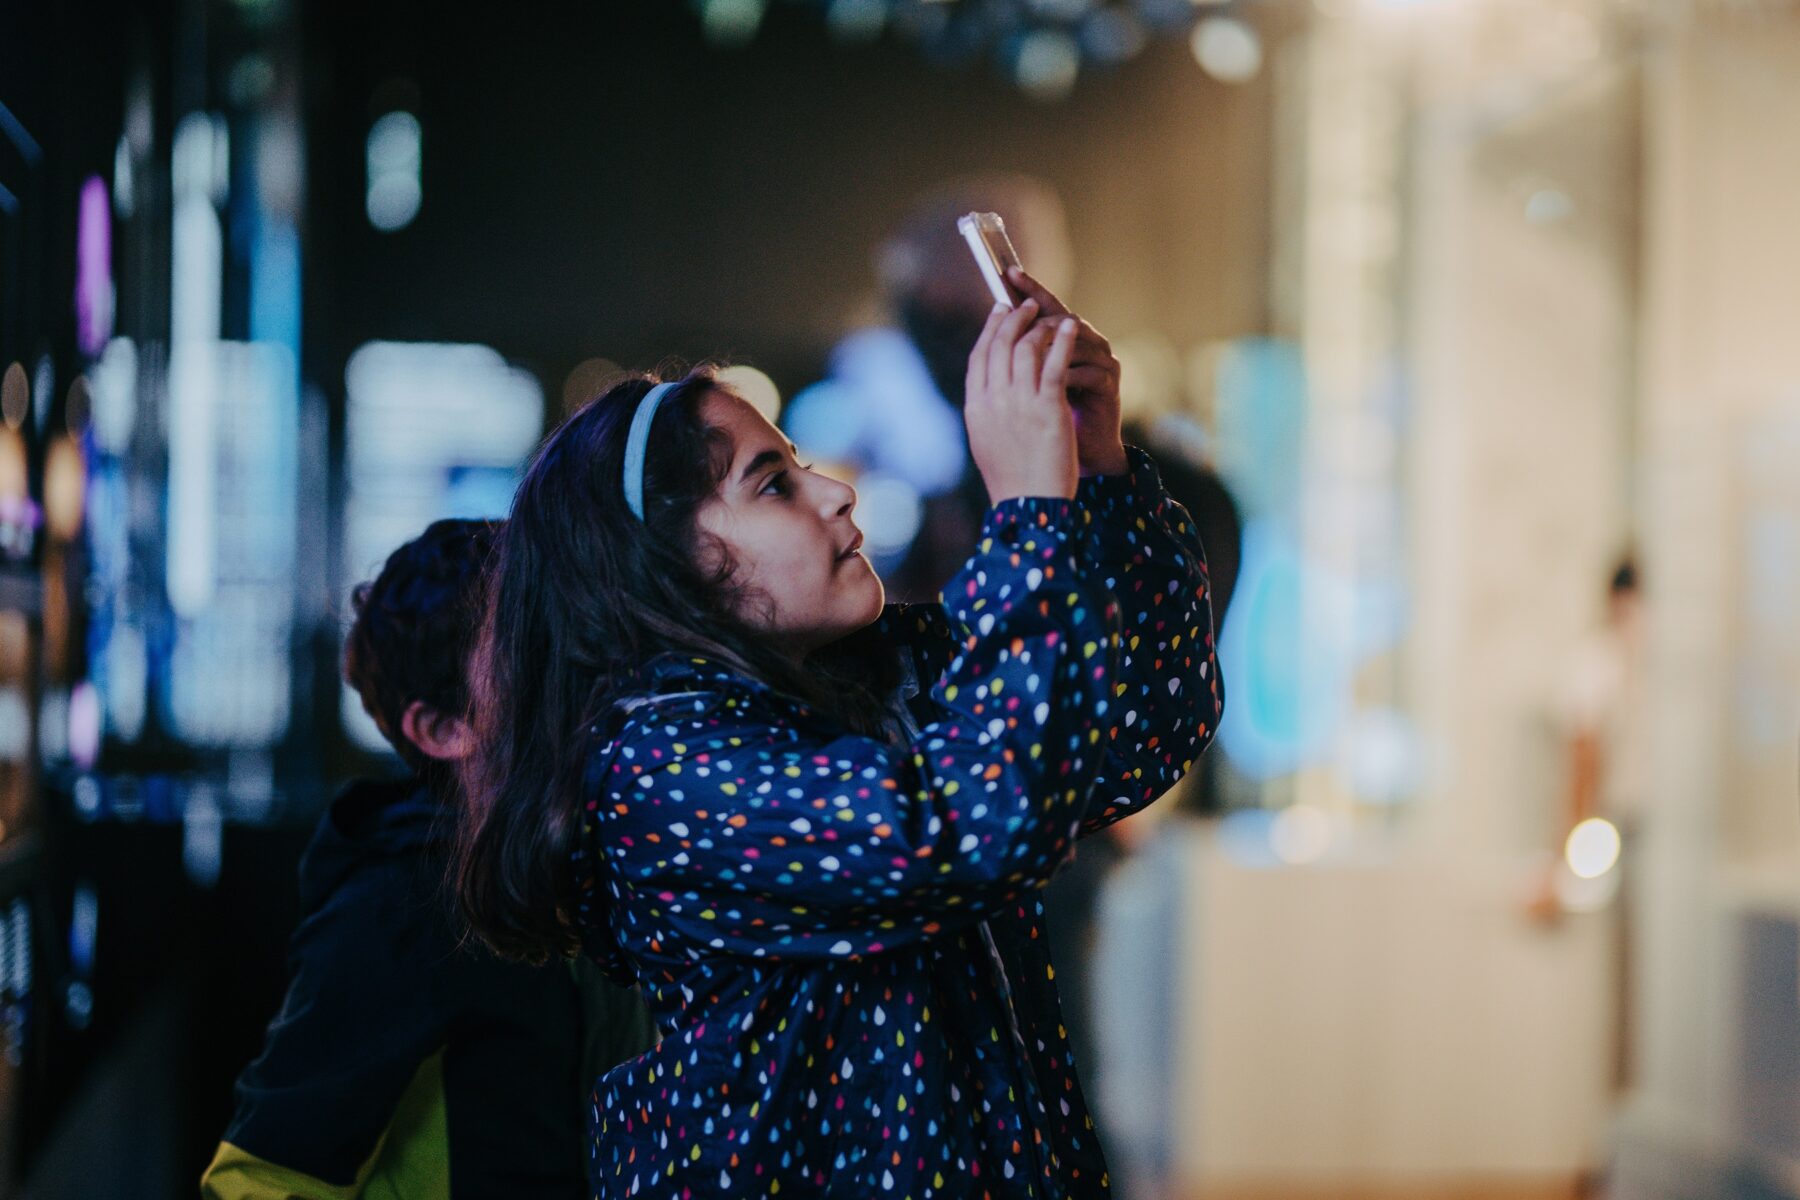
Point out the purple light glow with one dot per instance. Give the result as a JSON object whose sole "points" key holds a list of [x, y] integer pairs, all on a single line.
{"points": [[93, 268]]}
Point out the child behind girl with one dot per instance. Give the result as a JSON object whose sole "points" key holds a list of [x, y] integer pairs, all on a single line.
{"points": [[816, 829]]}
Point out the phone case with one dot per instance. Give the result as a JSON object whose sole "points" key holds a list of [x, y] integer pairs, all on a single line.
{"points": [[993, 250]]}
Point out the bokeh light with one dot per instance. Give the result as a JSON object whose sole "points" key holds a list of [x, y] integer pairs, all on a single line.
{"points": [[756, 387], [1592, 848], [731, 23], [854, 21], [888, 511], [394, 153], [589, 378], [1227, 49], [84, 725], [65, 485], [1300, 834], [15, 395], [1112, 35], [1046, 63], [78, 408]]}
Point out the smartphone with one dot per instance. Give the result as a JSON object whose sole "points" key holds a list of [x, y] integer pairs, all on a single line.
{"points": [[993, 250]]}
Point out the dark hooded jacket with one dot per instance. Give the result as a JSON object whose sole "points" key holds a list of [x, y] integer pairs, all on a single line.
{"points": [[402, 1062]]}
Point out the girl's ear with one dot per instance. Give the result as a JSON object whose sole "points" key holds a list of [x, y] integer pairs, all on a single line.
{"points": [[437, 734]]}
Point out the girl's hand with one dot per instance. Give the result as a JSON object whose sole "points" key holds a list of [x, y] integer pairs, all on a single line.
{"points": [[1021, 429], [1093, 384]]}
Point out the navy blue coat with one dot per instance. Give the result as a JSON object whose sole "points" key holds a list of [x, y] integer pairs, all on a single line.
{"points": [[841, 937]]}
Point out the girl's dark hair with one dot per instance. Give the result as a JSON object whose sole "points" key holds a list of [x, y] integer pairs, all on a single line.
{"points": [[414, 630], [581, 592]]}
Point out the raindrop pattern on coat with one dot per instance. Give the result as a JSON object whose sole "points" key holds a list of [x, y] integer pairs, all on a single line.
{"points": [[842, 937]]}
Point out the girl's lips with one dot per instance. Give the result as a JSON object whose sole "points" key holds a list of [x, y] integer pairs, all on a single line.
{"points": [[850, 550]]}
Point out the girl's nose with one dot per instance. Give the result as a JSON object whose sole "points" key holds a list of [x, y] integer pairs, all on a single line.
{"points": [[839, 498]]}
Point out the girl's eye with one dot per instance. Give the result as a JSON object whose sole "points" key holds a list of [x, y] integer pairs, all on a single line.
{"points": [[778, 481]]}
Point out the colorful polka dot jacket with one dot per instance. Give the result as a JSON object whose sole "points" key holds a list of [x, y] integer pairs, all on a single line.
{"points": [[842, 937]]}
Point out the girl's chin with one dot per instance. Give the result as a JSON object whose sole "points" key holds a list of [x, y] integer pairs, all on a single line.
{"points": [[877, 590]]}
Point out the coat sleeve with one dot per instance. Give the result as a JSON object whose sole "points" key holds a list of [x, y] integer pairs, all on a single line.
{"points": [[1167, 697], [727, 832]]}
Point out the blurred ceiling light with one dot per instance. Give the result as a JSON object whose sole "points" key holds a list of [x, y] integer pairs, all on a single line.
{"points": [[15, 395], [394, 155], [731, 23], [1227, 49], [1300, 834], [922, 20], [756, 387], [1112, 35], [1059, 10], [1046, 63], [856, 20], [1592, 849], [1166, 15]]}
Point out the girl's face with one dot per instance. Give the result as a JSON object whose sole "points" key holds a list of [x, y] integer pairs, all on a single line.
{"points": [[789, 535]]}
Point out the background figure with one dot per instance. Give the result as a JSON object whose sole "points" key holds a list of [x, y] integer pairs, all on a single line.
{"points": [[889, 416], [1072, 902], [404, 1062], [1602, 715], [1197, 487]]}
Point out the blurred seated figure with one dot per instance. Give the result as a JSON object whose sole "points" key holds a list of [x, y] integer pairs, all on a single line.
{"points": [[404, 1062], [890, 412]]}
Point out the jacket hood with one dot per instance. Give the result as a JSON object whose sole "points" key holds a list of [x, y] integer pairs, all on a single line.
{"points": [[371, 818]]}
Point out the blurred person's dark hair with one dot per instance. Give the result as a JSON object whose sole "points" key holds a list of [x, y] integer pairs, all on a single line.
{"points": [[1624, 577], [415, 629]]}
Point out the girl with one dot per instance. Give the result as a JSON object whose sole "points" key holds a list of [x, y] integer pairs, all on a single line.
{"points": [[814, 829]]}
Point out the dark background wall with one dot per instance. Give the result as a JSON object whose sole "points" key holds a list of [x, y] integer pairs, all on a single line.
{"points": [[600, 181]]}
